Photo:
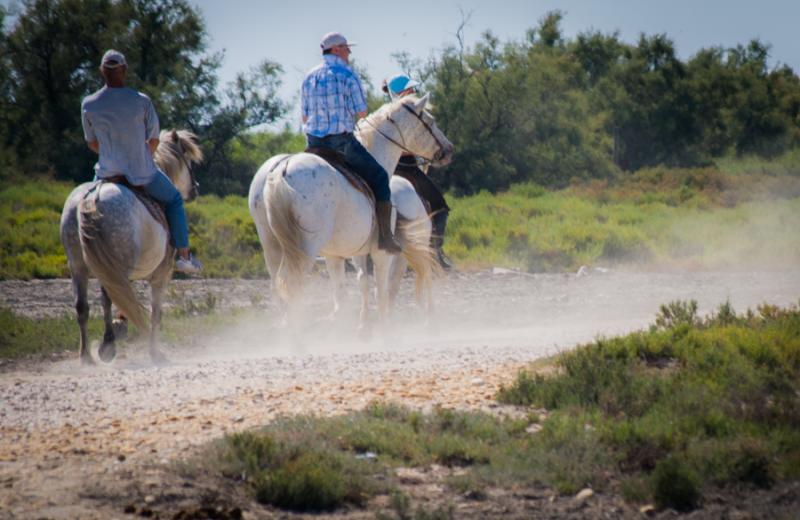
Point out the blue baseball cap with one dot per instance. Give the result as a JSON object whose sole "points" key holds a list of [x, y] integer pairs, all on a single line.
{"points": [[399, 83]]}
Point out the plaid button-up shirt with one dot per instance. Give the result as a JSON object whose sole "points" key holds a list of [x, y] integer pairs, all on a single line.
{"points": [[331, 97]]}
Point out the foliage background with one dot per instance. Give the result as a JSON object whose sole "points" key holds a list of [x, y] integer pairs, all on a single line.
{"points": [[740, 215]]}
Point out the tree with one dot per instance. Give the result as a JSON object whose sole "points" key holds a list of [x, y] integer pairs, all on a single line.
{"points": [[54, 50], [53, 53], [597, 54], [654, 109], [517, 113], [7, 107], [764, 106], [251, 101]]}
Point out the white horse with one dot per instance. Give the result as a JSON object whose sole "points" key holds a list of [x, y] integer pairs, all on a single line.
{"points": [[109, 233], [303, 207]]}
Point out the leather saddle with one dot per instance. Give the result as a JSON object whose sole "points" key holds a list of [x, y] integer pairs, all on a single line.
{"points": [[338, 162]]}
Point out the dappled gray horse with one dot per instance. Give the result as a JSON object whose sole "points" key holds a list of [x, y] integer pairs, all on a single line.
{"points": [[108, 232]]}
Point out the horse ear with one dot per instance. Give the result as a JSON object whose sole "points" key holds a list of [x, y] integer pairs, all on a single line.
{"points": [[419, 105], [175, 136]]}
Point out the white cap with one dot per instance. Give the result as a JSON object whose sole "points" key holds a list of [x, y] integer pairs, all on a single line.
{"points": [[113, 59], [332, 39]]}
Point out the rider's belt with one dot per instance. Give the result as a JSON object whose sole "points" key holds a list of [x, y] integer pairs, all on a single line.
{"points": [[336, 135]]}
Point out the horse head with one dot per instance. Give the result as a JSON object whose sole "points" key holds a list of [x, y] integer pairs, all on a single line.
{"points": [[176, 154], [419, 131]]}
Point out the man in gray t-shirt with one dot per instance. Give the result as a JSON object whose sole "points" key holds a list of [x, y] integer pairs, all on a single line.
{"points": [[121, 125]]}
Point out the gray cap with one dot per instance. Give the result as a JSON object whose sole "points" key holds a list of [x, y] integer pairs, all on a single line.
{"points": [[332, 39], [113, 59]]}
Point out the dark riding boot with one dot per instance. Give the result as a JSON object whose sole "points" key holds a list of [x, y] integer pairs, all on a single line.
{"points": [[438, 223], [386, 240]]}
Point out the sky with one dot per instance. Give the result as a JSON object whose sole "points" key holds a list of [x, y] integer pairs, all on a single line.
{"points": [[288, 32]]}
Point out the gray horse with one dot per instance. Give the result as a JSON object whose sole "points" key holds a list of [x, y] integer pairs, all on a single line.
{"points": [[108, 232]]}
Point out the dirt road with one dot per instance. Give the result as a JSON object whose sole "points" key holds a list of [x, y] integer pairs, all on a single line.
{"points": [[81, 442]]}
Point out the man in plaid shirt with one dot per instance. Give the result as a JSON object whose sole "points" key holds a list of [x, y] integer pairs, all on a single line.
{"points": [[332, 100]]}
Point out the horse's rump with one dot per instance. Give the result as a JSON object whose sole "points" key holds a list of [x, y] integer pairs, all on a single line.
{"points": [[155, 208]]}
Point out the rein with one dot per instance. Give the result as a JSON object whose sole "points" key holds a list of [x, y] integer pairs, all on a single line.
{"points": [[424, 160]]}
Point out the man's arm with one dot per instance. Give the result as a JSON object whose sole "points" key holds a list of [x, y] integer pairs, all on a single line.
{"points": [[94, 146], [152, 144], [361, 115]]}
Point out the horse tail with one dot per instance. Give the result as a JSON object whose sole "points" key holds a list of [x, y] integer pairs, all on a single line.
{"points": [[419, 254], [288, 233], [106, 264]]}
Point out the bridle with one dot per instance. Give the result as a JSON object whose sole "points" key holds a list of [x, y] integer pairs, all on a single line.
{"points": [[423, 160]]}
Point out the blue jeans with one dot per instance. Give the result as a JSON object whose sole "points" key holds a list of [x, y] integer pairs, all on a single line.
{"points": [[162, 189], [359, 159]]}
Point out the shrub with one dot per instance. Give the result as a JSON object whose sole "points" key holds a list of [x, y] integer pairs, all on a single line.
{"points": [[692, 402], [675, 485], [311, 482]]}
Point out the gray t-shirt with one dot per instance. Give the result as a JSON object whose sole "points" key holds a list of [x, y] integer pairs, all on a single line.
{"points": [[122, 120]]}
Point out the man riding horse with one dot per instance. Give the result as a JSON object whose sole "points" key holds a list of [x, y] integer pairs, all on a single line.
{"points": [[396, 87], [120, 124], [332, 100]]}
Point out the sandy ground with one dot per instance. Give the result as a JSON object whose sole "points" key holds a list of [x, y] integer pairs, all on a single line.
{"points": [[74, 441]]}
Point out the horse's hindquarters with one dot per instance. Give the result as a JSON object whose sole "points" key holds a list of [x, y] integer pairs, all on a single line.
{"points": [[139, 240], [154, 241], [335, 218]]}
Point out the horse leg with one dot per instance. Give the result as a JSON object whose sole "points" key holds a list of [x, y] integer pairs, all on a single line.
{"points": [[360, 263], [335, 266], [272, 259], [108, 349], [80, 281], [396, 271], [380, 268], [156, 298]]}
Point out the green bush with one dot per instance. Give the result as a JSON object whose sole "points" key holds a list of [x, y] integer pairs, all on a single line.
{"points": [[675, 485], [30, 214], [310, 482], [692, 402]]}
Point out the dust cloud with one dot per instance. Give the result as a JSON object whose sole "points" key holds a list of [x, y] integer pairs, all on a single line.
{"points": [[758, 236], [499, 309]]}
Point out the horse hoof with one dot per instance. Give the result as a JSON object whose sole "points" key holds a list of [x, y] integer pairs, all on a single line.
{"points": [[87, 361], [107, 352], [120, 328]]}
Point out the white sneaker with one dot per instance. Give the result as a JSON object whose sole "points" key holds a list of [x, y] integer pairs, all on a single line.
{"points": [[190, 266]]}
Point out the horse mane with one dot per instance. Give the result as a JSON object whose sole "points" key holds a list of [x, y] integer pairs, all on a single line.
{"points": [[175, 147]]}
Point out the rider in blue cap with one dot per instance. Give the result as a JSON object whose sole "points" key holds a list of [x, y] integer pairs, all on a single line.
{"points": [[408, 168]]}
